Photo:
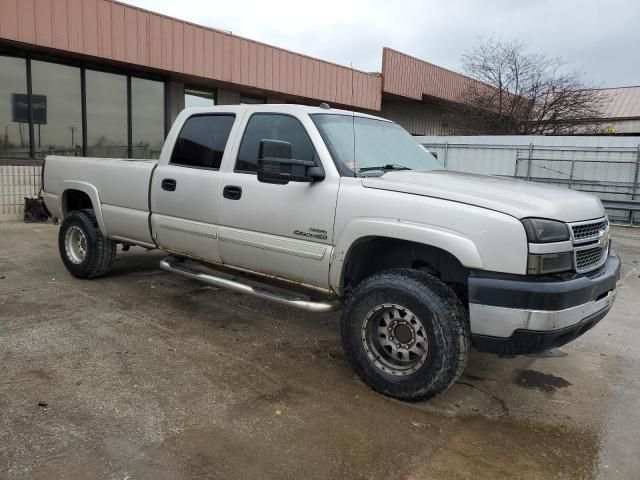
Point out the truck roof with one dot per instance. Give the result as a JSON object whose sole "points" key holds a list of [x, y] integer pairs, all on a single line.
{"points": [[280, 108]]}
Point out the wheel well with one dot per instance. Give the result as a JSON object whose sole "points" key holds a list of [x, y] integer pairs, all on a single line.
{"points": [[375, 254], [75, 200]]}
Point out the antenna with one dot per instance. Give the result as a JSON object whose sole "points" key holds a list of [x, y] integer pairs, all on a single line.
{"points": [[353, 121]]}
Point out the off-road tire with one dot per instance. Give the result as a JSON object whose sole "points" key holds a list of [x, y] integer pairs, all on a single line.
{"points": [[100, 252], [445, 323]]}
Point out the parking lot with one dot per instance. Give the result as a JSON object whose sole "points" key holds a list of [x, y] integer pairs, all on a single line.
{"points": [[142, 374]]}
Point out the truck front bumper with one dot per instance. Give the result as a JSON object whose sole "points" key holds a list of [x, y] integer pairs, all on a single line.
{"points": [[514, 315]]}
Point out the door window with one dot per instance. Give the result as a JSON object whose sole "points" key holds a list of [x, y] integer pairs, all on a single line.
{"points": [[271, 126], [202, 141]]}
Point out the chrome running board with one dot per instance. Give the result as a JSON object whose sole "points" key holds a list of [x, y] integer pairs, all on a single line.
{"points": [[175, 265]]}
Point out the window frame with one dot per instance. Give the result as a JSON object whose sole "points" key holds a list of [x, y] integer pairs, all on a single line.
{"points": [[98, 67], [226, 145], [244, 133]]}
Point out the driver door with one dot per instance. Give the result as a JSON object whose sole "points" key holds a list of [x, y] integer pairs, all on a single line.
{"points": [[280, 230]]}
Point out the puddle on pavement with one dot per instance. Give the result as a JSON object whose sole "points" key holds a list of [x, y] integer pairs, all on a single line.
{"points": [[545, 382]]}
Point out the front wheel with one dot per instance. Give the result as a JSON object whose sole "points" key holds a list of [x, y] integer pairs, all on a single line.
{"points": [[83, 249], [406, 334]]}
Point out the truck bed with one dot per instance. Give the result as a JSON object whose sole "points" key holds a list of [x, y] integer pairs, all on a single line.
{"points": [[121, 186]]}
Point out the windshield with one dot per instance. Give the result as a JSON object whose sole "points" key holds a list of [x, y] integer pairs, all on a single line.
{"points": [[373, 146]]}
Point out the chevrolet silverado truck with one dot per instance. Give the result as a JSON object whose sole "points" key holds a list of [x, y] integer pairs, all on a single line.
{"points": [[323, 209]]}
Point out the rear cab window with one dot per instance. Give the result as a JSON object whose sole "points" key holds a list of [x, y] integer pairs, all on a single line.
{"points": [[202, 141]]}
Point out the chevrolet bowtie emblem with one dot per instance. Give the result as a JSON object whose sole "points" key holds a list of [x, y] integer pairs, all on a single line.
{"points": [[604, 239]]}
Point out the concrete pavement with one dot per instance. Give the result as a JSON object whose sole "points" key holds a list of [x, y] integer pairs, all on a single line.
{"points": [[142, 374]]}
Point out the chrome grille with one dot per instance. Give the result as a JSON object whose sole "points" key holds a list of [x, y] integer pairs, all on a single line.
{"points": [[590, 244], [586, 259], [588, 230]]}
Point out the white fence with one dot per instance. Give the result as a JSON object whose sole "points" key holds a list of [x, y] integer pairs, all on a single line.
{"points": [[606, 166], [17, 182]]}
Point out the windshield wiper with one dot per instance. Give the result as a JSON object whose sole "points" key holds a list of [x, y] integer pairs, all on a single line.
{"points": [[388, 166]]}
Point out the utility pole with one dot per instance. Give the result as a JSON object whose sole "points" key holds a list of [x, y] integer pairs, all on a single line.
{"points": [[73, 130]]}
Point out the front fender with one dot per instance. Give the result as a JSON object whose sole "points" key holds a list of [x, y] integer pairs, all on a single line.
{"points": [[93, 194], [461, 247]]}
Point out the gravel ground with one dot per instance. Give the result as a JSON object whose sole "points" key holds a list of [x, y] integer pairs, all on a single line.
{"points": [[145, 375]]}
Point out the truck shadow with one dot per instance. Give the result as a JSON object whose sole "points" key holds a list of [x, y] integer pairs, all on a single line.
{"points": [[137, 262]]}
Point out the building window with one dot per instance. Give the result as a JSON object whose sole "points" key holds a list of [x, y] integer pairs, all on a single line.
{"points": [[198, 98], [57, 109], [107, 131], [43, 112], [249, 100], [273, 126], [147, 118], [15, 141], [202, 141]]}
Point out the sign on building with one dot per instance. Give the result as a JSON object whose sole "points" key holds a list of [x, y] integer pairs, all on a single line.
{"points": [[20, 108]]}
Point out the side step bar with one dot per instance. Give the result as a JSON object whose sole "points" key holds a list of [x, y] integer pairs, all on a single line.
{"points": [[174, 265]]}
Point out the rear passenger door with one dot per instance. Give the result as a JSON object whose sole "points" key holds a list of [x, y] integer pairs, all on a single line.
{"points": [[185, 192]]}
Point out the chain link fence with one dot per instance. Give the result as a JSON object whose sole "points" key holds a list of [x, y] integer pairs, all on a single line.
{"points": [[610, 173]]}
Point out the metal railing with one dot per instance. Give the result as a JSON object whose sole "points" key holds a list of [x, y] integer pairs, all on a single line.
{"points": [[608, 167], [17, 182], [20, 181]]}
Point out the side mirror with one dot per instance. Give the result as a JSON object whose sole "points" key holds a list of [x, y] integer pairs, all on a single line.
{"points": [[276, 165]]}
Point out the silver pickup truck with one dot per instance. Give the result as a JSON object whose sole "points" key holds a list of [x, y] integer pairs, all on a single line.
{"points": [[323, 209]]}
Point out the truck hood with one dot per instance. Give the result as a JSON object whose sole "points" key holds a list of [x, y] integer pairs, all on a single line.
{"points": [[517, 198]]}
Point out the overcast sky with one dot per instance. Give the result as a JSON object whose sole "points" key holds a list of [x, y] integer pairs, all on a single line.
{"points": [[599, 37]]}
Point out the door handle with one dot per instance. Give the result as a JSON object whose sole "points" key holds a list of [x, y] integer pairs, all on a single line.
{"points": [[169, 184], [232, 192]]}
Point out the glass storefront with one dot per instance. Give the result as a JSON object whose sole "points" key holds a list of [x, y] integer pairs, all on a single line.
{"points": [[57, 105], [124, 115], [147, 117], [14, 110], [107, 131]]}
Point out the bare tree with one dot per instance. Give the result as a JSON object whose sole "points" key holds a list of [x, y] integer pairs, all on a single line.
{"points": [[522, 93]]}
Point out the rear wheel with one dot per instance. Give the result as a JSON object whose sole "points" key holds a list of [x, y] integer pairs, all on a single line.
{"points": [[406, 334], [83, 249]]}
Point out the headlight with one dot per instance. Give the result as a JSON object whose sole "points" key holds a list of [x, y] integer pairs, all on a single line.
{"points": [[540, 230]]}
